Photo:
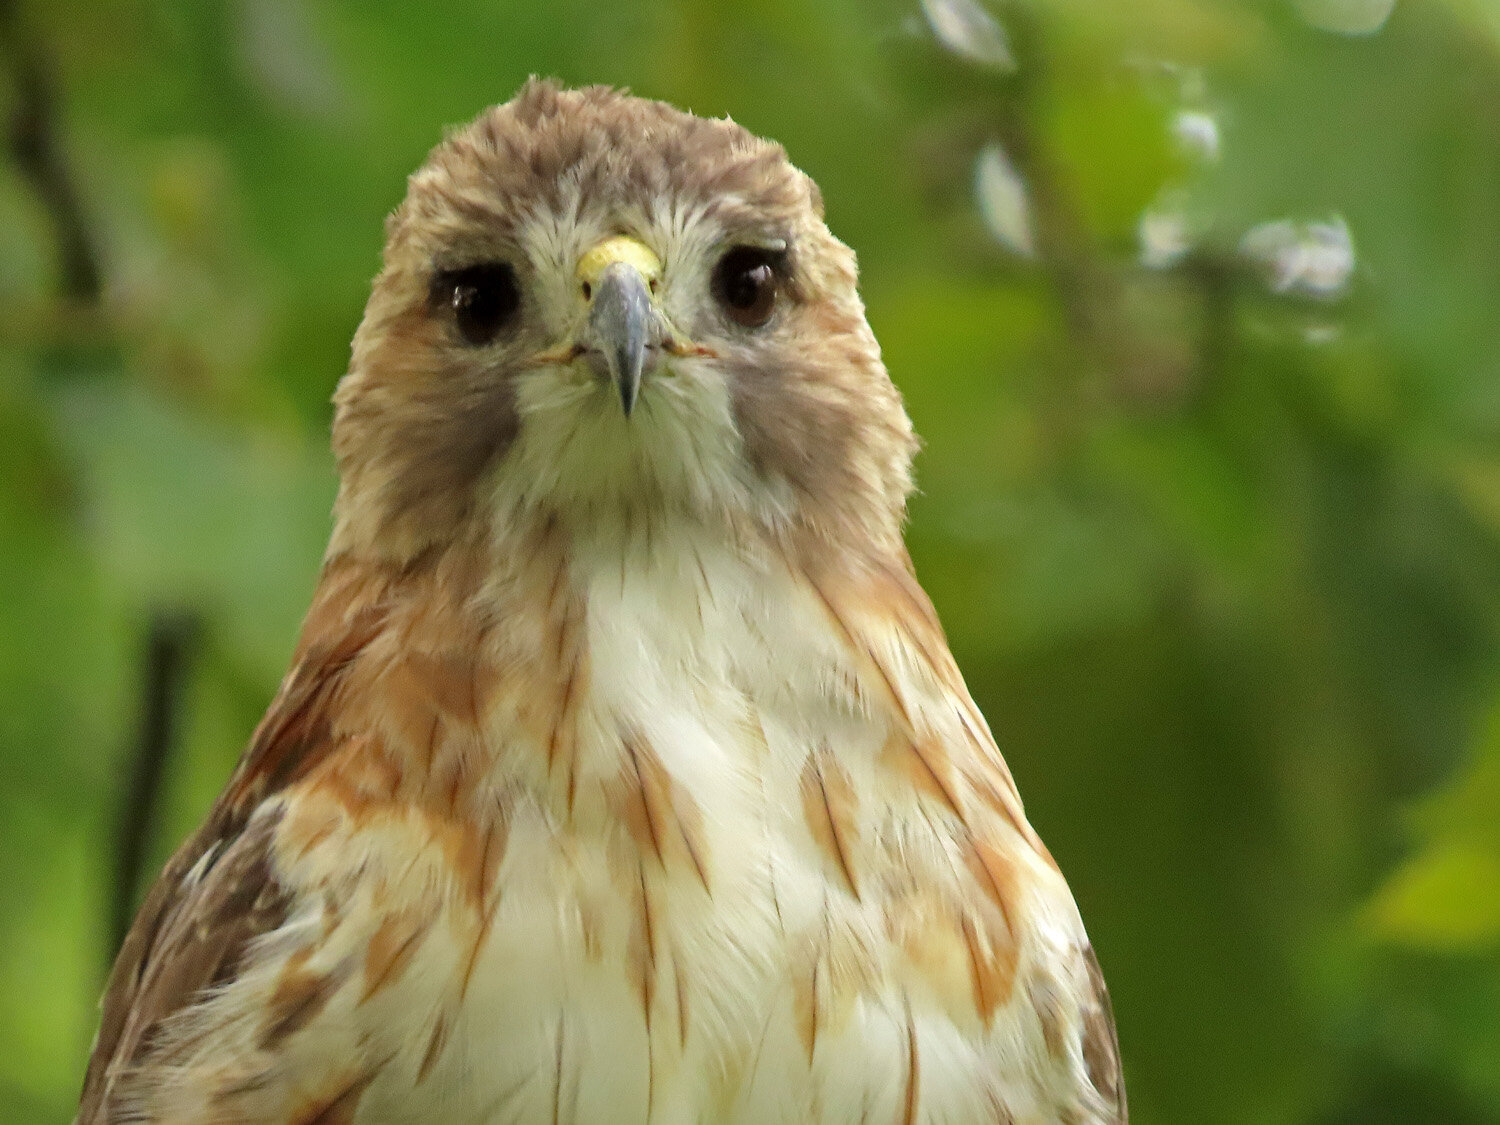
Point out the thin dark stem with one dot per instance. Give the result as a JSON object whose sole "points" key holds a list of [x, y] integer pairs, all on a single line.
{"points": [[1062, 244], [164, 676], [33, 141]]}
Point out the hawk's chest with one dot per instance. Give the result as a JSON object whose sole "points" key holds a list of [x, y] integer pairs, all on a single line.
{"points": [[660, 885], [693, 872]]}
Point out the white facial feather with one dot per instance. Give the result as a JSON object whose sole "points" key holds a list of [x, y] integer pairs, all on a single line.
{"points": [[679, 452]]}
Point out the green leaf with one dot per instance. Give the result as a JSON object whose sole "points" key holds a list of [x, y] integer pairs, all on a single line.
{"points": [[1445, 899]]}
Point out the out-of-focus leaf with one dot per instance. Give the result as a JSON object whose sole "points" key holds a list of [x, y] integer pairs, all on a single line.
{"points": [[184, 512], [1447, 898], [1114, 142]]}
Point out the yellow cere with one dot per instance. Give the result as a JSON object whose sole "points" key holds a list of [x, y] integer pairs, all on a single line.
{"points": [[621, 248]]}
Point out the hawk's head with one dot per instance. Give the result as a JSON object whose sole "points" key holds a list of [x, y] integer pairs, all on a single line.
{"points": [[595, 307]]}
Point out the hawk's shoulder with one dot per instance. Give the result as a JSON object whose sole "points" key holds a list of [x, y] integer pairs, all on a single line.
{"points": [[216, 895], [219, 892]]}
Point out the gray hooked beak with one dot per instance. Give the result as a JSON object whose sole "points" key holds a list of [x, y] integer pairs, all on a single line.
{"points": [[620, 326]]}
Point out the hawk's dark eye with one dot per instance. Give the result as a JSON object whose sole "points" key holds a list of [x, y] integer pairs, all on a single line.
{"points": [[483, 299], [746, 283]]}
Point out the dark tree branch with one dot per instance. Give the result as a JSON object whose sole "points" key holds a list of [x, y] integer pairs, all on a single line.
{"points": [[164, 677], [33, 141]]}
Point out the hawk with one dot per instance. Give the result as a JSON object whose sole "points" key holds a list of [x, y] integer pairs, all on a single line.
{"points": [[622, 772]]}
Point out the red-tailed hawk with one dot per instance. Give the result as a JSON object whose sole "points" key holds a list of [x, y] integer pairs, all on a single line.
{"points": [[622, 773]]}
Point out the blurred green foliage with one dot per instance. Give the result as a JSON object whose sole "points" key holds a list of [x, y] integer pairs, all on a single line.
{"points": [[1209, 379]]}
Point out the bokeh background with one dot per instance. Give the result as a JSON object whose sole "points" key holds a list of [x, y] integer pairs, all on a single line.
{"points": [[1195, 302]]}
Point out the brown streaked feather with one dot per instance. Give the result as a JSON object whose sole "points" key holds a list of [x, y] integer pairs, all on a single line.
{"points": [[805, 1004], [911, 1093], [300, 994], [996, 876], [830, 808], [681, 983], [1101, 1044], [992, 967], [481, 935], [478, 856], [887, 596], [391, 949], [862, 655], [662, 817], [557, 1074], [299, 723], [897, 591], [640, 950], [562, 743], [883, 595], [338, 1108], [219, 891], [435, 1044], [929, 767], [190, 934]]}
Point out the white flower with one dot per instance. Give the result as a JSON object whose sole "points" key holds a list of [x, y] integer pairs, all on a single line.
{"points": [[1164, 238], [1315, 258], [1197, 133], [1003, 201], [1347, 17], [966, 29]]}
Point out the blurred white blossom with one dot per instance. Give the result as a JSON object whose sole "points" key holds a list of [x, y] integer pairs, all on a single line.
{"points": [[1323, 333], [1003, 201], [1163, 235], [1315, 258], [1197, 133], [966, 29], [1348, 17], [288, 59]]}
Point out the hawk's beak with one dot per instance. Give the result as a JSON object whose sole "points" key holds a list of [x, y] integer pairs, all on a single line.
{"points": [[624, 330]]}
